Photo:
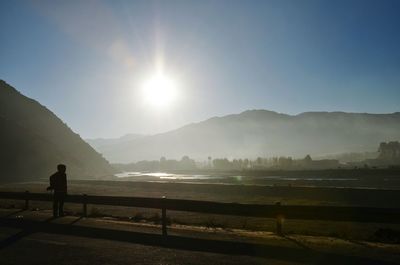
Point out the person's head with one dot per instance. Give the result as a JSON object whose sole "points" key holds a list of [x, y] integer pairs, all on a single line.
{"points": [[61, 168]]}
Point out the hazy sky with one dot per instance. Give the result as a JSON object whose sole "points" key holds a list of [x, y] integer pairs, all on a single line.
{"points": [[87, 60]]}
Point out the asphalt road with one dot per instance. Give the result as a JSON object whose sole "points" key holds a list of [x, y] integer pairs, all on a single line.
{"points": [[34, 238], [41, 248]]}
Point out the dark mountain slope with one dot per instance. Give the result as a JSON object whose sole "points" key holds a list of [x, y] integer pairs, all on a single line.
{"points": [[33, 141]]}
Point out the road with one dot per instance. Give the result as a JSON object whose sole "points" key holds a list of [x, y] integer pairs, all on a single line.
{"points": [[32, 237]]}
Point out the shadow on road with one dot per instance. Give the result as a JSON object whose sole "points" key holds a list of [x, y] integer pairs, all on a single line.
{"points": [[27, 230], [301, 255], [297, 242], [13, 213], [76, 220]]}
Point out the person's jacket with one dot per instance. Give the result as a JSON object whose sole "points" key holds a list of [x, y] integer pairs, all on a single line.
{"points": [[58, 182]]}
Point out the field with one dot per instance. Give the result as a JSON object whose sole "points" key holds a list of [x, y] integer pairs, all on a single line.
{"points": [[259, 194]]}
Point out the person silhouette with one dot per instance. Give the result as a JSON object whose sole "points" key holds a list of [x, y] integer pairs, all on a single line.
{"points": [[58, 183]]}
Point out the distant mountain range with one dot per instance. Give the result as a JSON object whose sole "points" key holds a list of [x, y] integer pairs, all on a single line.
{"points": [[100, 143], [261, 133], [33, 141]]}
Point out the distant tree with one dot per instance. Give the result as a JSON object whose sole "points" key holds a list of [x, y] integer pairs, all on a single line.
{"points": [[285, 162], [163, 163], [389, 151], [187, 163], [236, 164], [222, 164], [246, 163], [307, 161]]}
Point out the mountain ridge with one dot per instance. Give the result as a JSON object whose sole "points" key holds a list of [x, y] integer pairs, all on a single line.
{"points": [[258, 132]]}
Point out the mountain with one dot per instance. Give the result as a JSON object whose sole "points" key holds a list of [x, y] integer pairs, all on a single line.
{"points": [[102, 143], [264, 133], [33, 141]]}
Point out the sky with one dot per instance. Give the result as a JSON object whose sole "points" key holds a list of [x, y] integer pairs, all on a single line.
{"points": [[87, 61]]}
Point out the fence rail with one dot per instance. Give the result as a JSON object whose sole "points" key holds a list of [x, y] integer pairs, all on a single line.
{"points": [[277, 211]]}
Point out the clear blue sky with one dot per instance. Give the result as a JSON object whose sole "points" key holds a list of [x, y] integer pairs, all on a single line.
{"points": [[85, 59]]}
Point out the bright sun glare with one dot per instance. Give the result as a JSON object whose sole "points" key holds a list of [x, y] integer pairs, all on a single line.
{"points": [[159, 91]]}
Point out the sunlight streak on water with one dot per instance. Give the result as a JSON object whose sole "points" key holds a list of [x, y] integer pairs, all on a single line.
{"points": [[163, 175], [170, 176]]}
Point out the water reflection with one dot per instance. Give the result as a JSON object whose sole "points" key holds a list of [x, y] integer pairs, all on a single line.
{"points": [[163, 175]]}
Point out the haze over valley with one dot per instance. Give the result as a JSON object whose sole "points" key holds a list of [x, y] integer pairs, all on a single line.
{"points": [[259, 133]]}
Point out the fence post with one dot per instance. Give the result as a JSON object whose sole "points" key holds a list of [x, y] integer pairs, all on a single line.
{"points": [[84, 210], [279, 220], [26, 200], [164, 217]]}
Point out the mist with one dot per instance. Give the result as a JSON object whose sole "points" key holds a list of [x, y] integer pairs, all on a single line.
{"points": [[262, 133]]}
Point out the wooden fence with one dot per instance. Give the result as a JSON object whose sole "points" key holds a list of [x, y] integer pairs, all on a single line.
{"points": [[276, 211]]}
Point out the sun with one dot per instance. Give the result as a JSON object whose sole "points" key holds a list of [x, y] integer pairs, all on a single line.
{"points": [[159, 91]]}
